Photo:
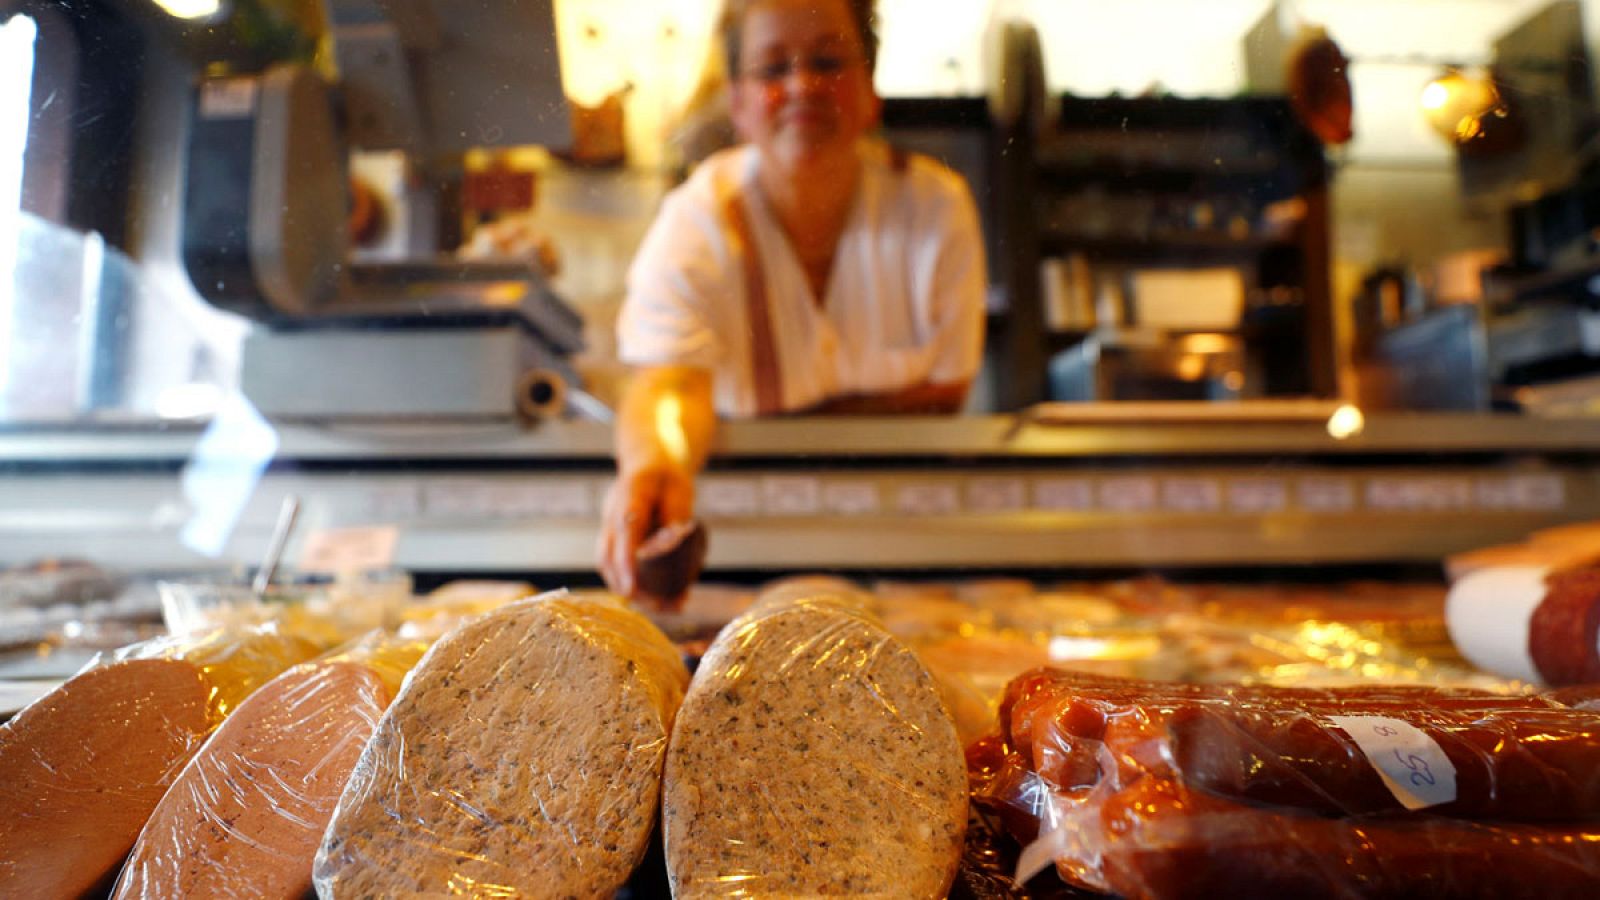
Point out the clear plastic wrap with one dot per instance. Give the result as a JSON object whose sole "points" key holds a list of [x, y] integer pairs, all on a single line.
{"points": [[86, 764], [244, 817], [813, 756], [522, 757], [1163, 790]]}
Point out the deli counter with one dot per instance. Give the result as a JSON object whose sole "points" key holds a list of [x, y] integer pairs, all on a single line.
{"points": [[1056, 488]]}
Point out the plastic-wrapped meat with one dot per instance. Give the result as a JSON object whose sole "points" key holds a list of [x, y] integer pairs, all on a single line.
{"points": [[1164, 840], [1518, 758], [1156, 790]]}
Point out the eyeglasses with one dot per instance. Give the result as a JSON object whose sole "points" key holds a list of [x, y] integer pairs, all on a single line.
{"points": [[822, 65]]}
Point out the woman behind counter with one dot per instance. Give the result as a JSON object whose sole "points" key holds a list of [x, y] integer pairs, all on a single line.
{"points": [[811, 269]]}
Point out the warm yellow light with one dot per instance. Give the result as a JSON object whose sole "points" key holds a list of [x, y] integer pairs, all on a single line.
{"points": [[1454, 102], [1346, 422], [1435, 96], [191, 9], [669, 428]]}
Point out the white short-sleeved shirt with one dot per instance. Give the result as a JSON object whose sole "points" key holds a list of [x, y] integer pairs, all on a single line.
{"points": [[904, 301]]}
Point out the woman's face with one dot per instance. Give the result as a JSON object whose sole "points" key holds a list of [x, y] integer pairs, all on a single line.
{"points": [[803, 92]]}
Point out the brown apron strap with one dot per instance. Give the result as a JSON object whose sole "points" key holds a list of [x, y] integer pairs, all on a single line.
{"points": [[763, 351]]}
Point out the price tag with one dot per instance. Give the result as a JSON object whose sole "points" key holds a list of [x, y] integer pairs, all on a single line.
{"points": [[791, 495], [851, 498], [1410, 763], [349, 549], [996, 495], [1128, 494], [1545, 493], [394, 503], [1258, 495], [1064, 494], [729, 497], [1419, 494], [1327, 495], [1191, 495], [928, 498], [556, 500], [460, 499]]}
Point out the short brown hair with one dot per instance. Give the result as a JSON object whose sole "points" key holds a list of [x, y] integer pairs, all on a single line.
{"points": [[731, 26]]}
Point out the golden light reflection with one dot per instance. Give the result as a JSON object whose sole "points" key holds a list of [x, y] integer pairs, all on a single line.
{"points": [[669, 428], [1346, 422]]}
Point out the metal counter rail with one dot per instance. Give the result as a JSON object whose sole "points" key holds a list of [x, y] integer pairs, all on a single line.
{"points": [[783, 495]]}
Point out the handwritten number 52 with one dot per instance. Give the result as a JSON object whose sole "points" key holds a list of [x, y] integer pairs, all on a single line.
{"points": [[1420, 773]]}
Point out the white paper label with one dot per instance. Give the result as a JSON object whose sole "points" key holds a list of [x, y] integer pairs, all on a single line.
{"points": [[791, 495], [1128, 494], [996, 495], [729, 497], [557, 500], [1410, 763], [349, 549], [1258, 496], [1545, 493], [1064, 494], [928, 499], [1327, 495], [851, 498], [1191, 495]]}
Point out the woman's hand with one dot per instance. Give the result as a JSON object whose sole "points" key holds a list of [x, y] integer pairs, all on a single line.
{"points": [[664, 430], [640, 502]]}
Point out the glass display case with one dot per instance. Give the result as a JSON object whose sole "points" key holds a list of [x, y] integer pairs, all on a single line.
{"points": [[1278, 461]]}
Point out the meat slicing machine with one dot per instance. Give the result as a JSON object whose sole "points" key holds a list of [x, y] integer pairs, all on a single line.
{"points": [[265, 211]]}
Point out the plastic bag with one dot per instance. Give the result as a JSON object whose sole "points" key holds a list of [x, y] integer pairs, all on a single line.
{"points": [[86, 764], [1159, 790], [522, 757], [813, 756], [245, 816]]}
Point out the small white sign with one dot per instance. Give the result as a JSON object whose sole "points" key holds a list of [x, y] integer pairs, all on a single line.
{"points": [[392, 503], [1136, 494], [1191, 495], [1541, 493], [339, 550], [1258, 495], [851, 498], [1420, 494], [930, 498], [791, 495], [1064, 494], [459, 499], [1327, 495], [1410, 763], [553, 500], [723, 497], [996, 495]]}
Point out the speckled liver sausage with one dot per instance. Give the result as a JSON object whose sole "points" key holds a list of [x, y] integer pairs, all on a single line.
{"points": [[813, 757], [245, 817], [521, 759]]}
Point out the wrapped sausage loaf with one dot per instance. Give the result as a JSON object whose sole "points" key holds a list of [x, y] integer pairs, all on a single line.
{"points": [[521, 758], [84, 766], [245, 816], [813, 756], [1155, 790]]}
